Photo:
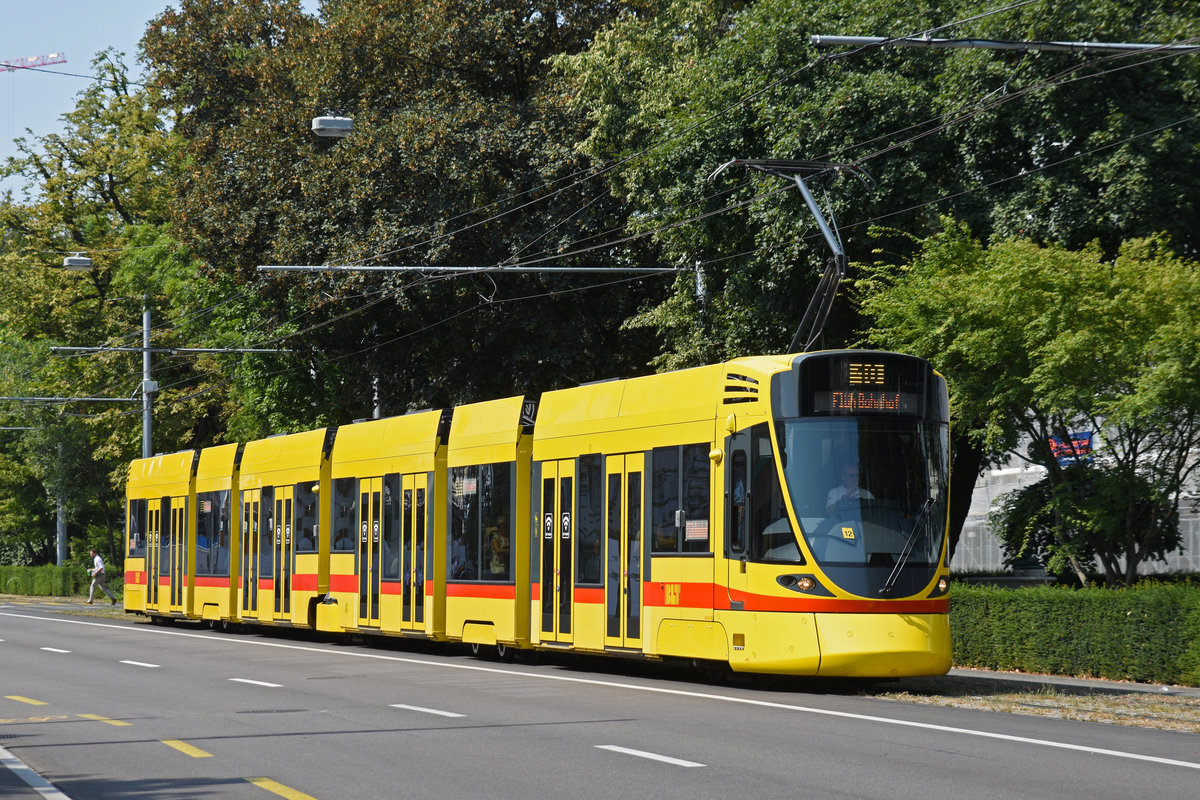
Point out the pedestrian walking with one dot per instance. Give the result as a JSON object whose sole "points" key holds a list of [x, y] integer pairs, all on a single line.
{"points": [[97, 571]]}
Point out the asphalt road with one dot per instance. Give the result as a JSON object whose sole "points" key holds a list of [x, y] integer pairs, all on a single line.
{"points": [[105, 708]]}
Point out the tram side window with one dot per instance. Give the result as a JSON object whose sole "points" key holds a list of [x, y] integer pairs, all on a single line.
{"points": [[166, 530], [137, 528], [738, 523], [392, 521], [480, 514], [212, 533], [589, 520], [681, 499], [345, 515], [759, 525], [305, 508], [266, 534]]}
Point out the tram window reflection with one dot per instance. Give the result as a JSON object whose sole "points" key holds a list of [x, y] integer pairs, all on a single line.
{"points": [[680, 504], [345, 515], [305, 494], [480, 522], [137, 528], [266, 534], [212, 533], [391, 526], [589, 520]]}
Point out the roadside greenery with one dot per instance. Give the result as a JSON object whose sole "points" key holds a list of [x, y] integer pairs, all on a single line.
{"points": [[1040, 342], [1149, 632], [49, 580]]}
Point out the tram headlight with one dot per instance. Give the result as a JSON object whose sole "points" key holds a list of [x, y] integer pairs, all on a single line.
{"points": [[943, 585], [804, 584]]}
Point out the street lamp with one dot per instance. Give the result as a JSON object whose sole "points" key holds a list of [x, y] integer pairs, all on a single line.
{"points": [[77, 262], [332, 127]]}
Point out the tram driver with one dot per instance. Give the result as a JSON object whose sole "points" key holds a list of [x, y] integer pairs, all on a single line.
{"points": [[846, 493]]}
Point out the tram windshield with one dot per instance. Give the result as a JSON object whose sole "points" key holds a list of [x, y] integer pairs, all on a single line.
{"points": [[862, 488]]}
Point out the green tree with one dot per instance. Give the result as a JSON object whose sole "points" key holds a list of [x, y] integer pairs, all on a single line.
{"points": [[1060, 148], [462, 154], [1055, 147], [101, 187], [1040, 342]]}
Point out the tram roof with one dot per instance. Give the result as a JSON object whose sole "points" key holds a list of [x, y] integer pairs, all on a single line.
{"points": [[395, 444], [165, 473]]}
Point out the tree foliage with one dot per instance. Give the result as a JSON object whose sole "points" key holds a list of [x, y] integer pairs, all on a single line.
{"points": [[462, 155], [1040, 342], [1062, 148], [101, 186]]}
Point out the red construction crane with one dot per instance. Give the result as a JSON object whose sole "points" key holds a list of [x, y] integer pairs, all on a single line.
{"points": [[33, 61]]}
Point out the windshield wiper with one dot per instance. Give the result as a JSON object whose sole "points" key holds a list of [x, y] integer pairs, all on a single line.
{"points": [[919, 527]]}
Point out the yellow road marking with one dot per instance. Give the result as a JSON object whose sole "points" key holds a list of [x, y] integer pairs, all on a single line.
{"points": [[97, 717], [280, 789], [186, 749], [4, 721], [29, 700]]}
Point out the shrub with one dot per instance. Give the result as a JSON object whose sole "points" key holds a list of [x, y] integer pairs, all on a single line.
{"points": [[1149, 632]]}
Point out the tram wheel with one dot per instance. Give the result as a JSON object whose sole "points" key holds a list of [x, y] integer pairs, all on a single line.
{"points": [[475, 649], [505, 653]]}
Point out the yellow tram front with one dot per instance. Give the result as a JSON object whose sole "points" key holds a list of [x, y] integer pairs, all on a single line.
{"points": [[836, 511]]}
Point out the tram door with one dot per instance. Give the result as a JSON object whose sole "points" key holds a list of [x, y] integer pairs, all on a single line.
{"points": [[370, 492], [154, 519], [412, 552], [558, 578], [625, 499], [176, 555], [166, 555], [251, 501], [280, 531]]}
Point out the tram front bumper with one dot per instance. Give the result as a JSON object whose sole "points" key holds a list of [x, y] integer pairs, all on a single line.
{"points": [[838, 645], [884, 645]]}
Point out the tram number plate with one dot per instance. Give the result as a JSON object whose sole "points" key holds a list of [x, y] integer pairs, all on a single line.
{"points": [[847, 532]]}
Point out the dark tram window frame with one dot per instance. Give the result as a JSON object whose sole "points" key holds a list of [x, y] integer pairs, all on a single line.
{"points": [[344, 538], [589, 520], [481, 500], [213, 535], [137, 534], [306, 515], [681, 489]]}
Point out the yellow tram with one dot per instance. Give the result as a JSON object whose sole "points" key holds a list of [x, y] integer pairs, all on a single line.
{"points": [[778, 514]]}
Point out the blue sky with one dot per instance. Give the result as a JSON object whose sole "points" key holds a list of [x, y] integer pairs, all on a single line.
{"points": [[77, 28]]}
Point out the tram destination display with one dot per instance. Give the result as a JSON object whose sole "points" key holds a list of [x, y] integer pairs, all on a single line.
{"points": [[862, 384]]}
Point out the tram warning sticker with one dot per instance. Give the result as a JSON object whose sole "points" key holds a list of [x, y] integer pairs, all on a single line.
{"points": [[695, 530], [847, 532]]}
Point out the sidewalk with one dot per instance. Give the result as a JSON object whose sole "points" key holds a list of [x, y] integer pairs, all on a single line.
{"points": [[1095, 685]]}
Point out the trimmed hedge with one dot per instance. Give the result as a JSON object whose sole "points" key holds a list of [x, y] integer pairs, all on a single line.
{"points": [[51, 581], [1148, 633]]}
